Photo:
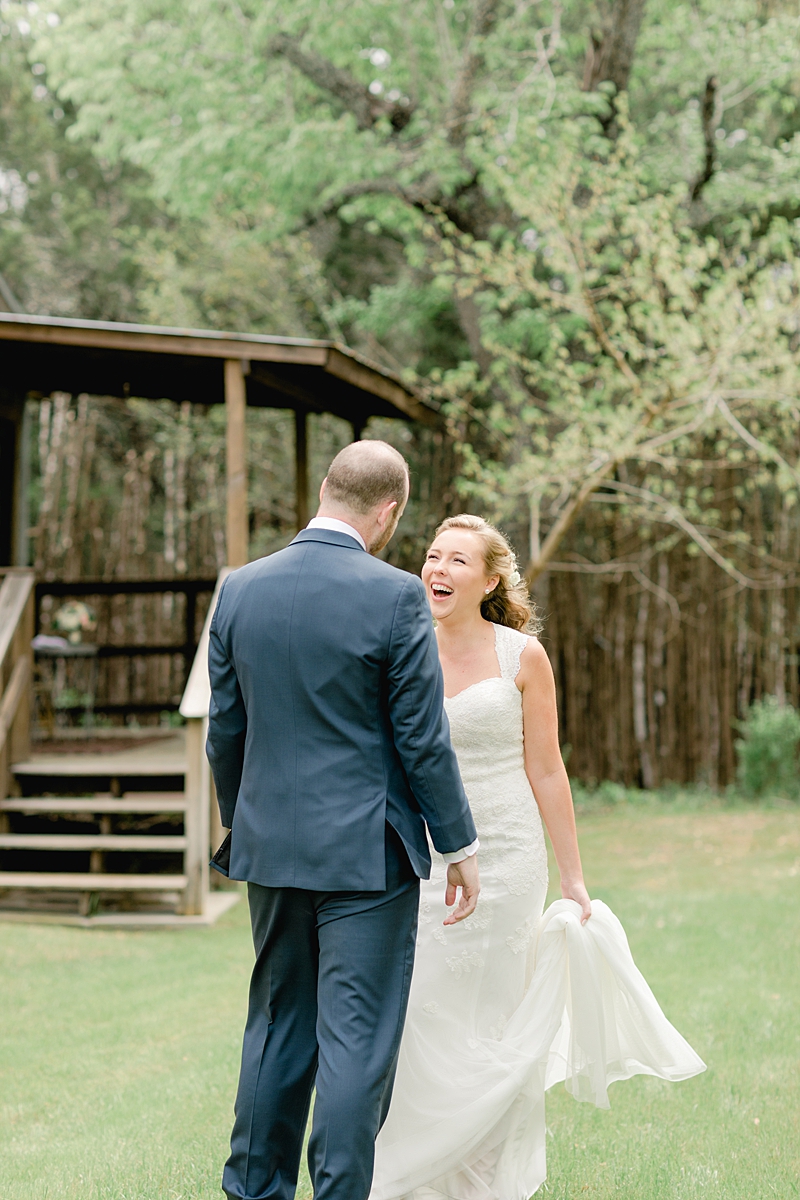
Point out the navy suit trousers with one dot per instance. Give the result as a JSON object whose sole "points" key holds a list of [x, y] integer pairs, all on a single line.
{"points": [[328, 999]]}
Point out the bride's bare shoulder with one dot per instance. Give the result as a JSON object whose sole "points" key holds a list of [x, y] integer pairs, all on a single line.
{"points": [[534, 663]]}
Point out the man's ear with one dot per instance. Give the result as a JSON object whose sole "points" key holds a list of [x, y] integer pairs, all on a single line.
{"points": [[322, 488], [385, 513]]}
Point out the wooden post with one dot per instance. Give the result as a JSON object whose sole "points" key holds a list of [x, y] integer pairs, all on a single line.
{"points": [[16, 662], [22, 487], [301, 466], [236, 517], [20, 739]]}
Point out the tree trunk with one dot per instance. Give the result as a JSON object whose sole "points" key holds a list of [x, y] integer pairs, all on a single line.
{"points": [[609, 57]]}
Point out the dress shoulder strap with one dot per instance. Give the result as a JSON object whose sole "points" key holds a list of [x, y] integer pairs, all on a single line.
{"points": [[509, 644]]}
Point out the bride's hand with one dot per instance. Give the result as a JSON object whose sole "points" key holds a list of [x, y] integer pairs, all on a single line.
{"points": [[462, 875], [577, 892]]}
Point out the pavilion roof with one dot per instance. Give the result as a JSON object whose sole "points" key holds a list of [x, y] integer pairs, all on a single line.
{"points": [[41, 354]]}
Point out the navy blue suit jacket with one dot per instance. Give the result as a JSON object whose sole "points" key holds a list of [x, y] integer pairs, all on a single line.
{"points": [[327, 719]]}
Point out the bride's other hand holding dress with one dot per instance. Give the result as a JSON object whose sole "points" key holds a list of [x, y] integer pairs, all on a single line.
{"points": [[508, 1001]]}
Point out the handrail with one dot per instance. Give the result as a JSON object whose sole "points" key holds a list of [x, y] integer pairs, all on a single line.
{"points": [[197, 693], [14, 595], [9, 704], [203, 827], [152, 700], [16, 661]]}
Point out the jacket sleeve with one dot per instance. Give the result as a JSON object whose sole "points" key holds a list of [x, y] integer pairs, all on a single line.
{"points": [[227, 723], [419, 722]]}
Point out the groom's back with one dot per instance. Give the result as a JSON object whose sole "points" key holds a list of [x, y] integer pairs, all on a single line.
{"points": [[308, 633]]}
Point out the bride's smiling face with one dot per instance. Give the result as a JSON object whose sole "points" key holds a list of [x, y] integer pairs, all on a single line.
{"points": [[455, 575]]}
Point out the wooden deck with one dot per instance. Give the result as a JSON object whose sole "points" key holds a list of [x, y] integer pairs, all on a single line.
{"points": [[161, 756], [104, 778], [217, 903], [103, 826]]}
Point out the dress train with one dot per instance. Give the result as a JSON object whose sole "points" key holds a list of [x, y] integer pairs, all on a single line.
{"points": [[588, 1018]]}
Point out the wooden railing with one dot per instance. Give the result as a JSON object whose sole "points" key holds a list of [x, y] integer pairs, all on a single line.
{"points": [[206, 828], [202, 830], [16, 669], [103, 592]]}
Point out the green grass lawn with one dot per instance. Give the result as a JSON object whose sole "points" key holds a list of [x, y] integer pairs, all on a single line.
{"points": [[119, 1051]]}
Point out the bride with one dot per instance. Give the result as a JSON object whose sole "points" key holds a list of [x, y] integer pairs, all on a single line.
{"points": [[508, 1002]]}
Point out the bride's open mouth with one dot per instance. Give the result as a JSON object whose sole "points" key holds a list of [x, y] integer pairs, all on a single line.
{"points": [[441, 591]]}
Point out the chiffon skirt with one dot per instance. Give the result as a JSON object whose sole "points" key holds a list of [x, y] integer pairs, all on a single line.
{"points": [[467, 1120]]}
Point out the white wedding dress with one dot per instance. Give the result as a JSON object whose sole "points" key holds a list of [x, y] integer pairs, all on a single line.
{"points": [[509, 1002]]}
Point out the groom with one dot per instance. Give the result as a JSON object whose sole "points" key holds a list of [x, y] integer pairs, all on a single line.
{"points": [[331, 753]]}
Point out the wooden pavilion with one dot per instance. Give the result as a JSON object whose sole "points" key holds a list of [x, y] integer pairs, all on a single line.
{"points": [[41, 355], [134, 825]]}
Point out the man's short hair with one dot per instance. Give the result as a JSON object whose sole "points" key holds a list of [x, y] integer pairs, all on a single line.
{"points": [[366, 474]]}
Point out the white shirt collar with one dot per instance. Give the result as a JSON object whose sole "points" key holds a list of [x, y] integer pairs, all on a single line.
{"points": [[338, 527]]}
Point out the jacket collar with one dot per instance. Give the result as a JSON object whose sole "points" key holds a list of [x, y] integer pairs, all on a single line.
{"points": [[330, 536]]}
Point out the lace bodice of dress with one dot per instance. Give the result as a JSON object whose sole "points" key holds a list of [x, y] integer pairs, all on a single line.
{"points": [[487, 734], [486, 718]]}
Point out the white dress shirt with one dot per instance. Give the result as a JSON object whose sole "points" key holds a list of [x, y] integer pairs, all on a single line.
{"points": [[338, 526], [455, 856]]}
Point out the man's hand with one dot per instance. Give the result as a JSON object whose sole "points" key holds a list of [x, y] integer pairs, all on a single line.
{"points": [[462, 875]]}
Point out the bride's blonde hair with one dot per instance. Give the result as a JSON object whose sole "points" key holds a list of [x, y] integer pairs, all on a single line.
{"points": [[510, 602]]}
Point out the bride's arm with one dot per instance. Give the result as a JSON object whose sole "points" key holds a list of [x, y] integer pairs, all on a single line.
{"points": [[546, 771]]}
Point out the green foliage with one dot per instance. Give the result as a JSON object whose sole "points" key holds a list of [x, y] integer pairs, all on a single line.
{"points": [[769, 750], [622, 334], [65, 218], [84, 235], [550, 282], [751, 49], [555, 288]]}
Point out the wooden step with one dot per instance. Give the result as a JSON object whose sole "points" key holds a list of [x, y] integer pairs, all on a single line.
{"points": [[132, 802], [89, 841], [73, 881], [167, 758], [102, 766]]}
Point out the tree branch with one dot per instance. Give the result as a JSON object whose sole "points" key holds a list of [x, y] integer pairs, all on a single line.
{"points": [[674, 516], [590, 485], [466, 207], [767, 452], [599, 331], [349, 91], [567, 520], [708, 117], [483, 19], [382, 185]]}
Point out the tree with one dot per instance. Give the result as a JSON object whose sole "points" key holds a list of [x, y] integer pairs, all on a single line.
{"points": [[65, 246], [632, 349], [491, 172]]}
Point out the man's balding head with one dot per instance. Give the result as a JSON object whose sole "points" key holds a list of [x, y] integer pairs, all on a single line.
{"points": [[365, 475]]}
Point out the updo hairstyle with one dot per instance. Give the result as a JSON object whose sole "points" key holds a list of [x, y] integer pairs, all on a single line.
{"points": [[510, 602]]}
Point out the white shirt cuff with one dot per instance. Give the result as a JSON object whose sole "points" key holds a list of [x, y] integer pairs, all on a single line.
{"points": [[457, 856]]}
